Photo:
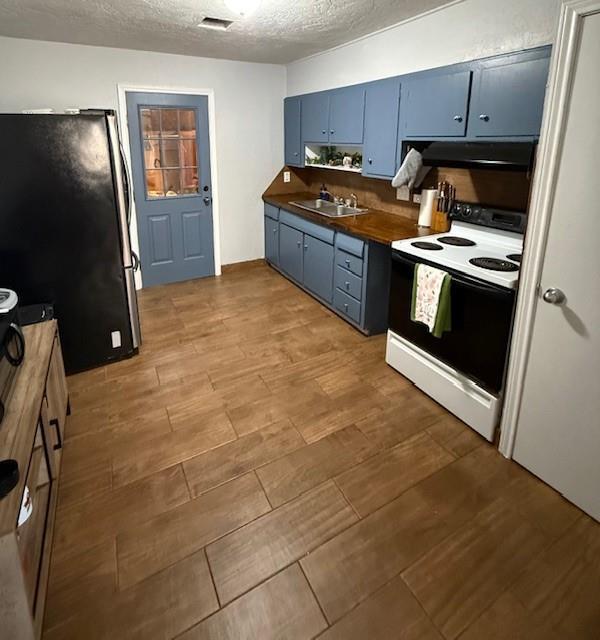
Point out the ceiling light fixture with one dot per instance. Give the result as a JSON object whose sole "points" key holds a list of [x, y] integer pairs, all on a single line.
{"points": [[242, 7]]}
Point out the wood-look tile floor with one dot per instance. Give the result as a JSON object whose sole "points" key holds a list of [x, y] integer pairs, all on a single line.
{"points": [[259, 472]]}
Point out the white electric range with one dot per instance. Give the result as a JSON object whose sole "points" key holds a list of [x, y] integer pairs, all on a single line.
{"points": [[464, 369]]}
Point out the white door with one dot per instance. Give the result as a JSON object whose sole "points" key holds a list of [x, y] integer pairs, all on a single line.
{"points": [[558, 430]]}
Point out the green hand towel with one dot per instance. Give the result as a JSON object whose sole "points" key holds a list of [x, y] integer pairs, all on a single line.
{"points": [[426, 309]]}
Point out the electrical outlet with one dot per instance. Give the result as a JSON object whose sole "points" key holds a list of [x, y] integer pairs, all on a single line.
{"points": [[417, 198], [287, 176]]}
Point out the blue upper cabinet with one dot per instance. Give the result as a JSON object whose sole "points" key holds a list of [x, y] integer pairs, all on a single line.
{"points": [[292, 112], [381, 128], [435, 105], [315, 117], [346, 115], [508, 95]]}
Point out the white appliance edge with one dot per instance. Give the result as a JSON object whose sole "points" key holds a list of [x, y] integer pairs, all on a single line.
{"points": [[459, 394]]}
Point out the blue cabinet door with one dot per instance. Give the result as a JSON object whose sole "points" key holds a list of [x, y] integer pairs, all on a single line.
{"points": [[381, 128], [292, 112], [318, 267], [290, 251], [346, 115], [315, 117], [435, 105], [508, 96], [272, 241]]}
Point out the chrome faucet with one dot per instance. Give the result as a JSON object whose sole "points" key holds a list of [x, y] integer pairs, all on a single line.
{"points": [[353, 200]]}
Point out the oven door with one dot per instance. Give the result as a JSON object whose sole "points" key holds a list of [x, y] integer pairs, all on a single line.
{"points": [[482, 314]]}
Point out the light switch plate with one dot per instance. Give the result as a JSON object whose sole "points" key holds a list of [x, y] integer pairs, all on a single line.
{"points": [[115, 336], [287, 176]]}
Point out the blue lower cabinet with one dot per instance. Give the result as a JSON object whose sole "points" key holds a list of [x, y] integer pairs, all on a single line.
{"points": [[348, 275], [272, 241], [318, 267], [290, 251]]}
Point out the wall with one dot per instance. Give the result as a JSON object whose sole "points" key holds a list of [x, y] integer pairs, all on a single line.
{"points": [[462, 31], [249, 113]]}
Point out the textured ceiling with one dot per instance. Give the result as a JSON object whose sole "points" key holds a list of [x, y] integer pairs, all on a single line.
{"points": [[279, 31]]}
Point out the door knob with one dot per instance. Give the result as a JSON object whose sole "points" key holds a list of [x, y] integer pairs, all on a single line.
{"points": [[554, 296], [458, 118], [484, 117], [206, 200]]}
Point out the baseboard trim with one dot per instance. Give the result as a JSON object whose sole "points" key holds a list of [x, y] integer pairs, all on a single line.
{"points": [[242, 266]]}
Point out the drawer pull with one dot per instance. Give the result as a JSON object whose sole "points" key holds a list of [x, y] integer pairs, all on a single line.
{"points": [[347, 285], [54, 423], [299, 243], [348, 261], [305, 247], [346, 307]]}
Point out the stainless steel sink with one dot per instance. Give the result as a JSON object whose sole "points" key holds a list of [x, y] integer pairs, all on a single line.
{"points": [[329, 209]]}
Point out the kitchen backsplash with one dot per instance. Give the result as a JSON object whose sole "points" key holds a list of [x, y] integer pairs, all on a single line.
{"points": [[503, 189]]}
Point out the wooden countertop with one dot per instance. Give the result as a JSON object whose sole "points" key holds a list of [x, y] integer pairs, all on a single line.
{"points": [[376, 225]]}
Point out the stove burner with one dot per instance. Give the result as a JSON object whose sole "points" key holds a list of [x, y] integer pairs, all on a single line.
{"points": [[457, 241], [494, 264], [429, 246], [515, 257]]}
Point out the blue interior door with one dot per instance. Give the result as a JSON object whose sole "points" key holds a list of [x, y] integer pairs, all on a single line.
{"points": [[170, 154]]}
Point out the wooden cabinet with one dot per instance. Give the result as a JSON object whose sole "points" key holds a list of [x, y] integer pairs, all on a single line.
{"points": [[494, 98], [334, 117], [318, 267], [346, 115], [508, 96], [290, 251], [32, 432], [315, 117], [272, 241], [436, 105], [347, 274], [382, 103], [292, 114]]}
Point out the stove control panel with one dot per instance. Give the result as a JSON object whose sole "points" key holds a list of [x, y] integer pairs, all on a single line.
{"points": [[515, 221]]}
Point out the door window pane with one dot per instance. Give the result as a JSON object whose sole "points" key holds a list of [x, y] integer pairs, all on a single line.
{"points": [[187, 123], [188, 153], [154, 183], [168, 124], [150, 119], [172, 182], [170, 151]]}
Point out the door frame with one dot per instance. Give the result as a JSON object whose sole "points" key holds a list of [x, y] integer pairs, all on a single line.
{"points": [[123, 90], [556, 111]]}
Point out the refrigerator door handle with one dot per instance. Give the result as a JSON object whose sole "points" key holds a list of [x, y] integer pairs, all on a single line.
{"points": [[122, 203], [134, 317], [128, 183]]}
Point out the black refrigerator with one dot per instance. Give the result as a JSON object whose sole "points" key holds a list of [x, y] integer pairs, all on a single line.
{"points": [[65, 209]]}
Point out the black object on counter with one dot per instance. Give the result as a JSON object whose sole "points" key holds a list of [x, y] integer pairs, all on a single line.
{"points": [[9, 476], [34, 313]]}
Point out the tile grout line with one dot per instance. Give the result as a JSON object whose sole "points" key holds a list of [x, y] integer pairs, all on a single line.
{"points": [[314, 596], [214, 583]]}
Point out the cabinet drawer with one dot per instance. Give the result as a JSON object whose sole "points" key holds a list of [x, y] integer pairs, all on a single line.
{"points": [[271, 211], [348, 261], [348, 282], [347, 305], [350, 244]]}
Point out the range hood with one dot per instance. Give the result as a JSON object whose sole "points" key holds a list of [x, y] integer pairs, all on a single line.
{"points": [[513, 156]]}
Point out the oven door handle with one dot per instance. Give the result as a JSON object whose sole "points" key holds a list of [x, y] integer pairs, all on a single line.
{"points": [[462, 278]]}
